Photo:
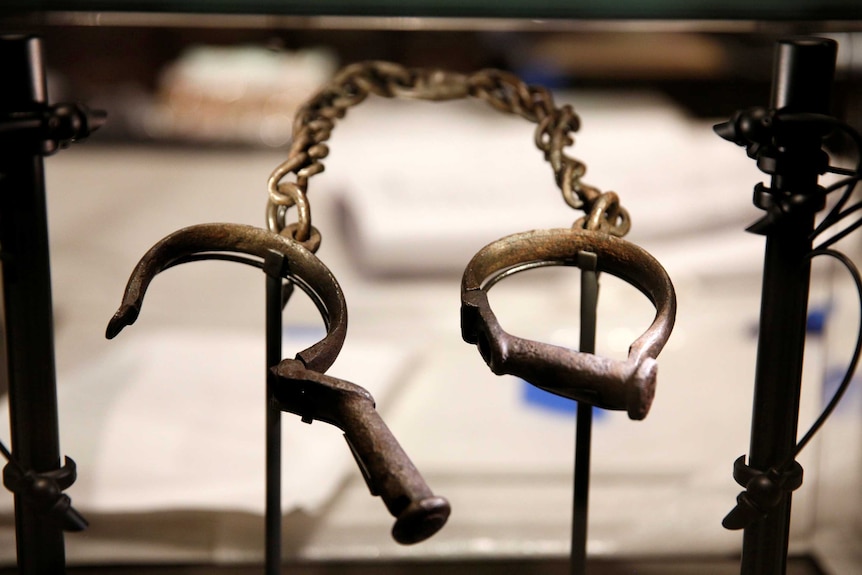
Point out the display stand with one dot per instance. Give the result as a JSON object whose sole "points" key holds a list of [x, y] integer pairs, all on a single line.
{"points": [[802, 83], [584, 424], [786, 141], [29, 130], [272, 531], [277, 294]]}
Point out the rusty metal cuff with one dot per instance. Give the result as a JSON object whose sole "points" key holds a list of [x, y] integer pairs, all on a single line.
{"points": [[387, 469], [203, 241], [611, 384]]}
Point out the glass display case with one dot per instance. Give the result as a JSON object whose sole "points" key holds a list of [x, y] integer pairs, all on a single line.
{"points": [[166, 424]]}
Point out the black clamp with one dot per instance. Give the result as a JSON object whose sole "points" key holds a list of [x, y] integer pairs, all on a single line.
{"points": [[45, 492], [782, 143], [764, 490], [47, 129]]}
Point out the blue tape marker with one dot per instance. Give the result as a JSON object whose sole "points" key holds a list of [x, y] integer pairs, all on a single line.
{"points": [[817, 318], [546, 401]]}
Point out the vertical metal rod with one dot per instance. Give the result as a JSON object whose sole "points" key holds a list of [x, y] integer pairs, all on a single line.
{"points": [[801, 83], [583, 435], [274, 306], [28, 308], [777, 387]]}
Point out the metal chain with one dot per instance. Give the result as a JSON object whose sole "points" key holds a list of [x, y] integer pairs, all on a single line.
{"points": [[503, 91]]}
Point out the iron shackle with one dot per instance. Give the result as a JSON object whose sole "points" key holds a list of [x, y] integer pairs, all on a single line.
{"points": [[387, 469], [611, 384], [205, 241]]}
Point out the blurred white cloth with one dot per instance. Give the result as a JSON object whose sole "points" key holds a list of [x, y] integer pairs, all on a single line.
{"points": [[443, 180], [175, 420]]}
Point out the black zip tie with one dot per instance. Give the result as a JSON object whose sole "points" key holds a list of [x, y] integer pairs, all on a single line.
{"points": [[45, 490]]}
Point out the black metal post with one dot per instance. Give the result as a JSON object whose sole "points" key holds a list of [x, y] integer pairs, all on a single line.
{"points": [[802, 82], [274, 306], [27, 306], [584, 426]]}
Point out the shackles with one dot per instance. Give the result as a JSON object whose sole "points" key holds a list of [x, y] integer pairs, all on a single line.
{"points": [[302, 387], [287, 249], [208, 241], [628, 385], [611, 384], [387, 469]]}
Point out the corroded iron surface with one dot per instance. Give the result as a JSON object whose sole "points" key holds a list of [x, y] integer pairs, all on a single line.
{"points": [[203, 240], [384, 464], [611, 384]]}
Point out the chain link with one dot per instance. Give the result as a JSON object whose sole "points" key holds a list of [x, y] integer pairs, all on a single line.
{"points": [[606, 215], [503, 91]]}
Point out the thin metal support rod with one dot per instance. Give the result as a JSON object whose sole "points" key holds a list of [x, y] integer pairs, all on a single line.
{"points": [[274, 307], [587, 261], [27, 308]]}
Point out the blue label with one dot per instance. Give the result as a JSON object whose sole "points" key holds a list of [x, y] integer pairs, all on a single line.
{"points": [[543, 400]]}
